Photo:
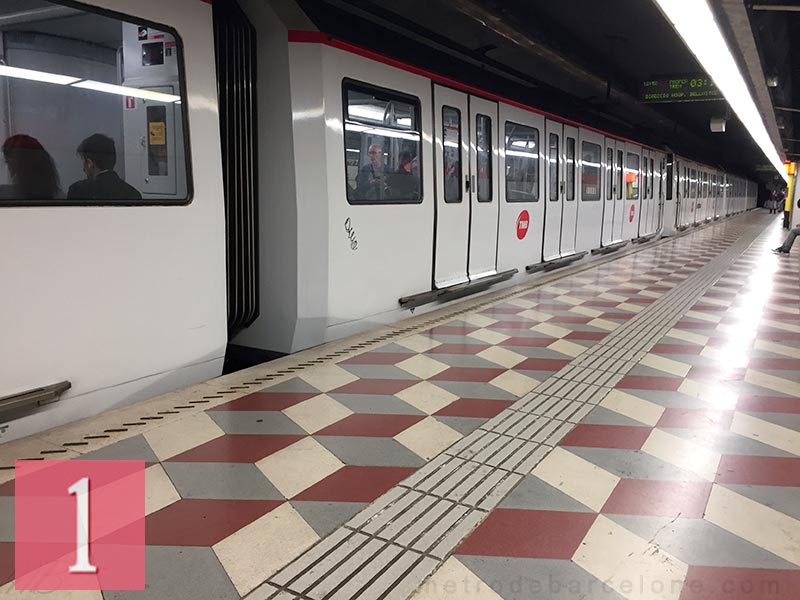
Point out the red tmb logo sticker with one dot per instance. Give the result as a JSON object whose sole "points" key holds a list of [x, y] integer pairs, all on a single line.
{"points": [[632, 213], [79, 525], [523, 223]]}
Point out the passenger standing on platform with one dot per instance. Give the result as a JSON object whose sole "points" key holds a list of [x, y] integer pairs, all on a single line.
{"points": [[370, 183], [99, 155], [31, 169]]}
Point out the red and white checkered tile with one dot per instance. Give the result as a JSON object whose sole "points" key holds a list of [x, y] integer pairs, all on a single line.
{"points": [[686, 472]]}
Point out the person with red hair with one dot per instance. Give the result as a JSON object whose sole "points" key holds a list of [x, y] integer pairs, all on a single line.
{"points": [[31, 169]]}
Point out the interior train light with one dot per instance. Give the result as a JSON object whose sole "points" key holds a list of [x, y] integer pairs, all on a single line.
{"points": [[695, 23], [122, 90], [37, 75]]}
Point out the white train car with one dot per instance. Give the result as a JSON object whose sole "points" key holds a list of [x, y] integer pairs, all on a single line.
{"points": [[124, 297], [498, 189], [364, 189]]}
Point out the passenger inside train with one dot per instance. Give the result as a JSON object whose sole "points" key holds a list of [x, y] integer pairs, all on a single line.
{"points": [[370, 183], [31, 170], [82, 75], [99, 156]]}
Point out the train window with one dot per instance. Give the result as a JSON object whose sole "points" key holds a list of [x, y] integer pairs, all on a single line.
{"points": [[609, 173], [451, 138], [552, 167], [382, 145], [693, 181], [483, 142], [92, 108], [620, 174], [522, 163], [591, 155], [632, 176], [705, 185], [652, 178], [571, 166]]}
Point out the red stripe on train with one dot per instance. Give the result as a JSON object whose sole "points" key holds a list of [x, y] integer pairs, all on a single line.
{"points": [[318, 37]]}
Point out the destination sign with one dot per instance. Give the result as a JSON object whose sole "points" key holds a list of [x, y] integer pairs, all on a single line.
{"points": [[679, 89]]}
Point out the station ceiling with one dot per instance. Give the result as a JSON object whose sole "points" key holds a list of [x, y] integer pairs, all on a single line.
{"points": [[582, 59]]}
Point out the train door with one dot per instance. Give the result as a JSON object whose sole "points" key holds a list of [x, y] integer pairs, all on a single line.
{"points": [[661, 191], [724, 208], [483, 188], [687, 215], [694, 194], [522, 196], [703, 213], [668, 219], [551, 249], [609, 193], [569, 214], [714, 185], [590, 191], [619, 203], [452, 187], [633, 191], [644, 203], [646, 193], [679, 192], [655, 201]]}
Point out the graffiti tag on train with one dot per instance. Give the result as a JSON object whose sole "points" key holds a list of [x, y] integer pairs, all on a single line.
{"points": [[351, 234]]}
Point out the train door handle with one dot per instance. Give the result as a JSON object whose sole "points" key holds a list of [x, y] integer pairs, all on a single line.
{"points": [[561, 187], [466, 182]]}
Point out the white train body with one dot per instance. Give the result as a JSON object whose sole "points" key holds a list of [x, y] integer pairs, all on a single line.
{"points": [[128, 301]]}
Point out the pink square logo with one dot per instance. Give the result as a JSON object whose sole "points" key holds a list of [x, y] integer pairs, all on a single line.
{"points": [[79, 525]]}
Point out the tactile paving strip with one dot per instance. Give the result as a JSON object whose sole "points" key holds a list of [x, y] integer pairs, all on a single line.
{"points": [[386, 551]]}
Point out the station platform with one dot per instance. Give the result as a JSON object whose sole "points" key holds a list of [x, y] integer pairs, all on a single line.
{"points": [[630, 430]]}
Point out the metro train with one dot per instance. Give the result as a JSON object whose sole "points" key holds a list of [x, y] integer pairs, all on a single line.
{"points": [[295, 189]]}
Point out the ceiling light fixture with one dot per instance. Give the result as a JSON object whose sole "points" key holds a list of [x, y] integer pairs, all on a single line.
{"points": [[32, 75], [122, 90], [695, 23]]}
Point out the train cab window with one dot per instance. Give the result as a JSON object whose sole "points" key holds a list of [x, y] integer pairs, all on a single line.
{"points": [[632, 176], [571, 166], [591, 155], [483, 139], [609, 173], [552, 167], [620, 174], [522, 163], [451, 151], [92, 107], [382, 145]]}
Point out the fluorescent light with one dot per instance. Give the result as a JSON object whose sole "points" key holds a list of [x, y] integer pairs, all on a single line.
{"points": [[37, 75], [122, 90], [694, 22], [413, 136]]}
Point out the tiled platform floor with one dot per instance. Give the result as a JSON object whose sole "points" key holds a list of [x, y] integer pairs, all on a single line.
{"points": [[684, 482]]}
